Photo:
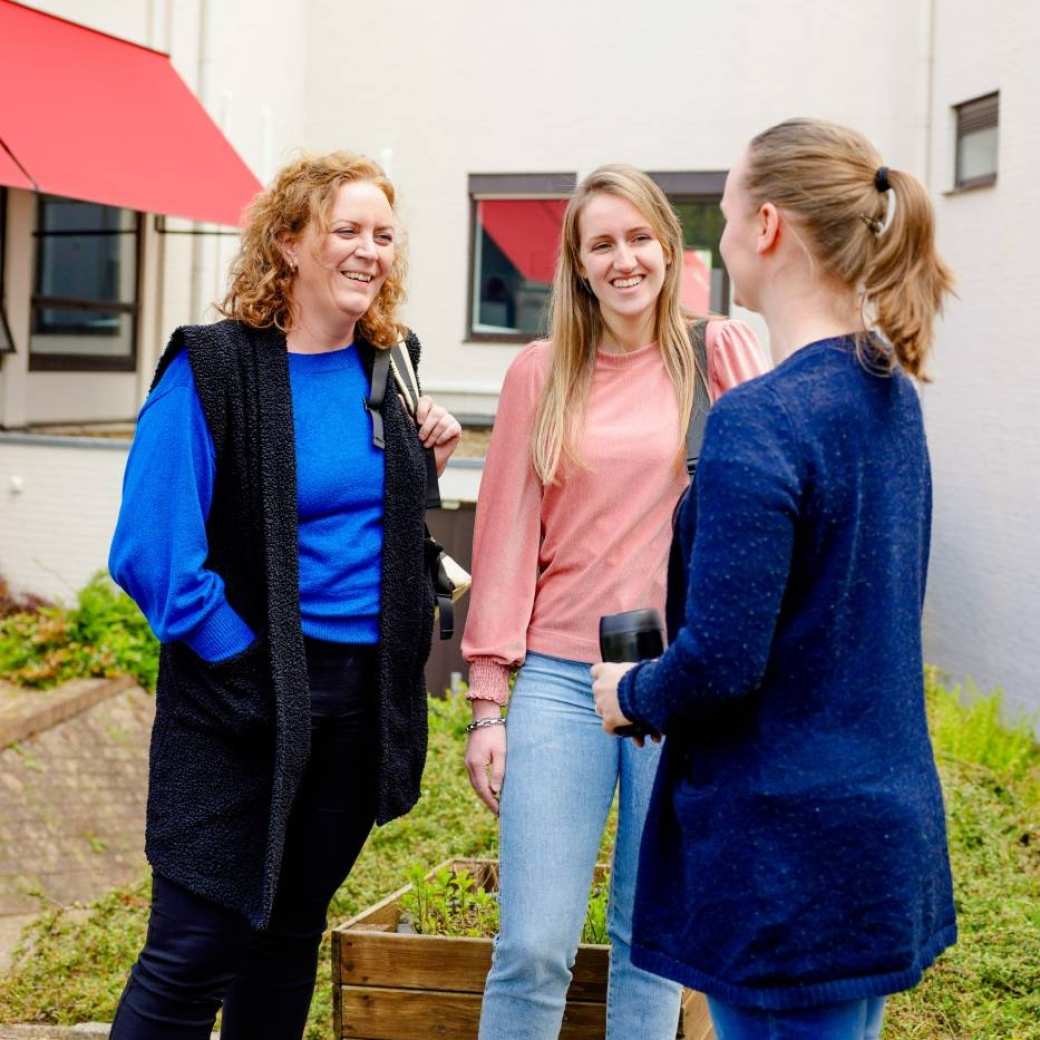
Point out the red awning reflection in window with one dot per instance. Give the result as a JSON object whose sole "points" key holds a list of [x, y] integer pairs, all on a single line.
{"points": [[527, 231], [695, 290]]}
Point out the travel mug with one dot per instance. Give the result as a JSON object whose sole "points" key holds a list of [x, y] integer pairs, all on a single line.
{"points": [[634, 635]]}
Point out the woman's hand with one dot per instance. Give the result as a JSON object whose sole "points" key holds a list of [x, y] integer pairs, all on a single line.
{"points": [[605, 679], [438, 429], [486, 763]]}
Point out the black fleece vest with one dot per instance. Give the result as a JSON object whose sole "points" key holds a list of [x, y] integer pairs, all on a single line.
{"points": [[231, 740]]}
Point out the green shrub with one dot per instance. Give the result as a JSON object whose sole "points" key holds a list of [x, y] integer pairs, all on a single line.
{"points": [[102, 636], [969, 727], [452, 903]]}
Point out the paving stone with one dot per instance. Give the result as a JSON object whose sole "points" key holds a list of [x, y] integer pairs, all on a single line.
{"points": [[72, 804]]}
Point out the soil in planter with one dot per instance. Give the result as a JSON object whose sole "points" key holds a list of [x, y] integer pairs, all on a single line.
{"points": [[452, 903]]}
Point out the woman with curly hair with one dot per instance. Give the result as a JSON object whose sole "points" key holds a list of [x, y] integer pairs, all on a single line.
{"points": [[272, 532]]}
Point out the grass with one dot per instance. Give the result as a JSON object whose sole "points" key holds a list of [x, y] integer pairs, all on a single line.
{"points": [[987, 987], [72, 968], [73, 964]]}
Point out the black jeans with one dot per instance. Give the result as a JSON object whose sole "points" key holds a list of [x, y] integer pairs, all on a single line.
{"points": [[199, 956]]}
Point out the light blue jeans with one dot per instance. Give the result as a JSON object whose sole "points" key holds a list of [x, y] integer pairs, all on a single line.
{"points": [[561, 772], [852, 1020]]}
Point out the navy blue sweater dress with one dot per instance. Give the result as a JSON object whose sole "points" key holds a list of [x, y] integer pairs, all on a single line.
{"points": [[795, 851]]}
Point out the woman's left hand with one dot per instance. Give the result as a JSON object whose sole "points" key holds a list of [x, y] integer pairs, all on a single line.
{"points": [[605, 679], [438, 429]]}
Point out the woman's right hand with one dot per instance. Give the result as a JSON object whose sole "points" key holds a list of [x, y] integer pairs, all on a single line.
{"points": [[486, 763]]}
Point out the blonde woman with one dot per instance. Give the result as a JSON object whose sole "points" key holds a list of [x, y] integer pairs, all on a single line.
{"points": [[794, 863], [574, 521], [275, 544]]}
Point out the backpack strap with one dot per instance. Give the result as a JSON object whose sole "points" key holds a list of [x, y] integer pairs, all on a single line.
{"points": [[376, 394], [408, 385], [701, 400]]}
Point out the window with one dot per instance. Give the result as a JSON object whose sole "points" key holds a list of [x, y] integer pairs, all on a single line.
{"points": [[695, 198], [6, 342], [976, 162], [84, 308], [516, 222]]}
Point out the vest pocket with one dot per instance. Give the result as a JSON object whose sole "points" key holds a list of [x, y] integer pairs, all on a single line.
{"points": [[235, 696]]}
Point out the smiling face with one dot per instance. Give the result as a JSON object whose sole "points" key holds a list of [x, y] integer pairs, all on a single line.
{"points": [[621, 257], [339, 272]]}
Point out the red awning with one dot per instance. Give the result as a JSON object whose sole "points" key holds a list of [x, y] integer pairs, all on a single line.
{"points": [[93, 117], [10, 174], [527, 231]]}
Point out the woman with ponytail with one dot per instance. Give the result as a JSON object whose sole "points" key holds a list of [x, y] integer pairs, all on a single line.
{"points": [[573, 522], [794, 864]]}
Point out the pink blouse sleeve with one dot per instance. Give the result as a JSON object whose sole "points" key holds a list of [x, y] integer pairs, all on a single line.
{"points": [[506, 537], [733, 356]]}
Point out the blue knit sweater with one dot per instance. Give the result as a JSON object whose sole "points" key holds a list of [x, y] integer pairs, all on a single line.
{"points": [[795, 851], [159, 550]]}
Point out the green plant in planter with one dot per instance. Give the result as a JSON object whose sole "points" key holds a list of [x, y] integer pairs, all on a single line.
{"points": [[451, 903]]}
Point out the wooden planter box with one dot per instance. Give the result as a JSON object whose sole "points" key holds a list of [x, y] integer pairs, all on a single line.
{"points": [[400, 986]]}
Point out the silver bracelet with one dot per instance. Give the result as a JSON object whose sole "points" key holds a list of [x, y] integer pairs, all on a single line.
{"points": [[483, 723]]}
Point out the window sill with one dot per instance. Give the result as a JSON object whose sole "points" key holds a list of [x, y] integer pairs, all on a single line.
{"points": [[972, 185], [80, 363], [502, 339]]}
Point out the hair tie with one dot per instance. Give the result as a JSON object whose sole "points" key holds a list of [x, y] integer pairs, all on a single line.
{"points": [[881, 179]]}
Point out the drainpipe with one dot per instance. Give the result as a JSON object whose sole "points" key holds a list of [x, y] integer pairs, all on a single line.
{"points": [[929, 94], [202, 90]]}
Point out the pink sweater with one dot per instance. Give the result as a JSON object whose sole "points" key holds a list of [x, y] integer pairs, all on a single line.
{"points": [[549, 561]]}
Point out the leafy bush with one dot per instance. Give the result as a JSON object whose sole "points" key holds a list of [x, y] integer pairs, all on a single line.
{"points": [[18, 603], [104, 635]]}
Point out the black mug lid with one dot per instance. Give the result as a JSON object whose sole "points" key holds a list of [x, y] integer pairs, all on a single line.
{"points": [[644, 620]]}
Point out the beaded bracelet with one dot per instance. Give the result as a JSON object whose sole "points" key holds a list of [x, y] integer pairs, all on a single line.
{"points": [[482, 723]]}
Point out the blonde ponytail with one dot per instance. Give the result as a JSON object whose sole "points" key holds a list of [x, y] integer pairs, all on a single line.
{"points": [[827, 177], [906, 279]]}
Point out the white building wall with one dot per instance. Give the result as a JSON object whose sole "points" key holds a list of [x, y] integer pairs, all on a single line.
{"points": [[983, 409], [464, 87], [59, 498]]}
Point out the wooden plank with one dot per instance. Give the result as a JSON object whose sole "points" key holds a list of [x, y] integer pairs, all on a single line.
{"points": [[696, 1019], [441, 963], [389, 1014]]}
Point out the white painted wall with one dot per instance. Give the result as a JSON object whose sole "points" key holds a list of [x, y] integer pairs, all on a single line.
{"points": [[462, 87], [983, 409], [58, 508]]}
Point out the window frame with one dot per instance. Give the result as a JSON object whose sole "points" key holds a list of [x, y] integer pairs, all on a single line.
{"points": [[6, 339], [979, 113], [704, 187], [43, 362], [519, 186]]}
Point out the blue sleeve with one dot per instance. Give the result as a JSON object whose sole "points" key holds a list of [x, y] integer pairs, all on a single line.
{"points": [[748, 489], [159, 550]]}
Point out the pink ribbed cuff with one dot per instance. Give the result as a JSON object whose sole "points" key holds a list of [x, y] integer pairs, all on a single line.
{"points": [[488, 681]]}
